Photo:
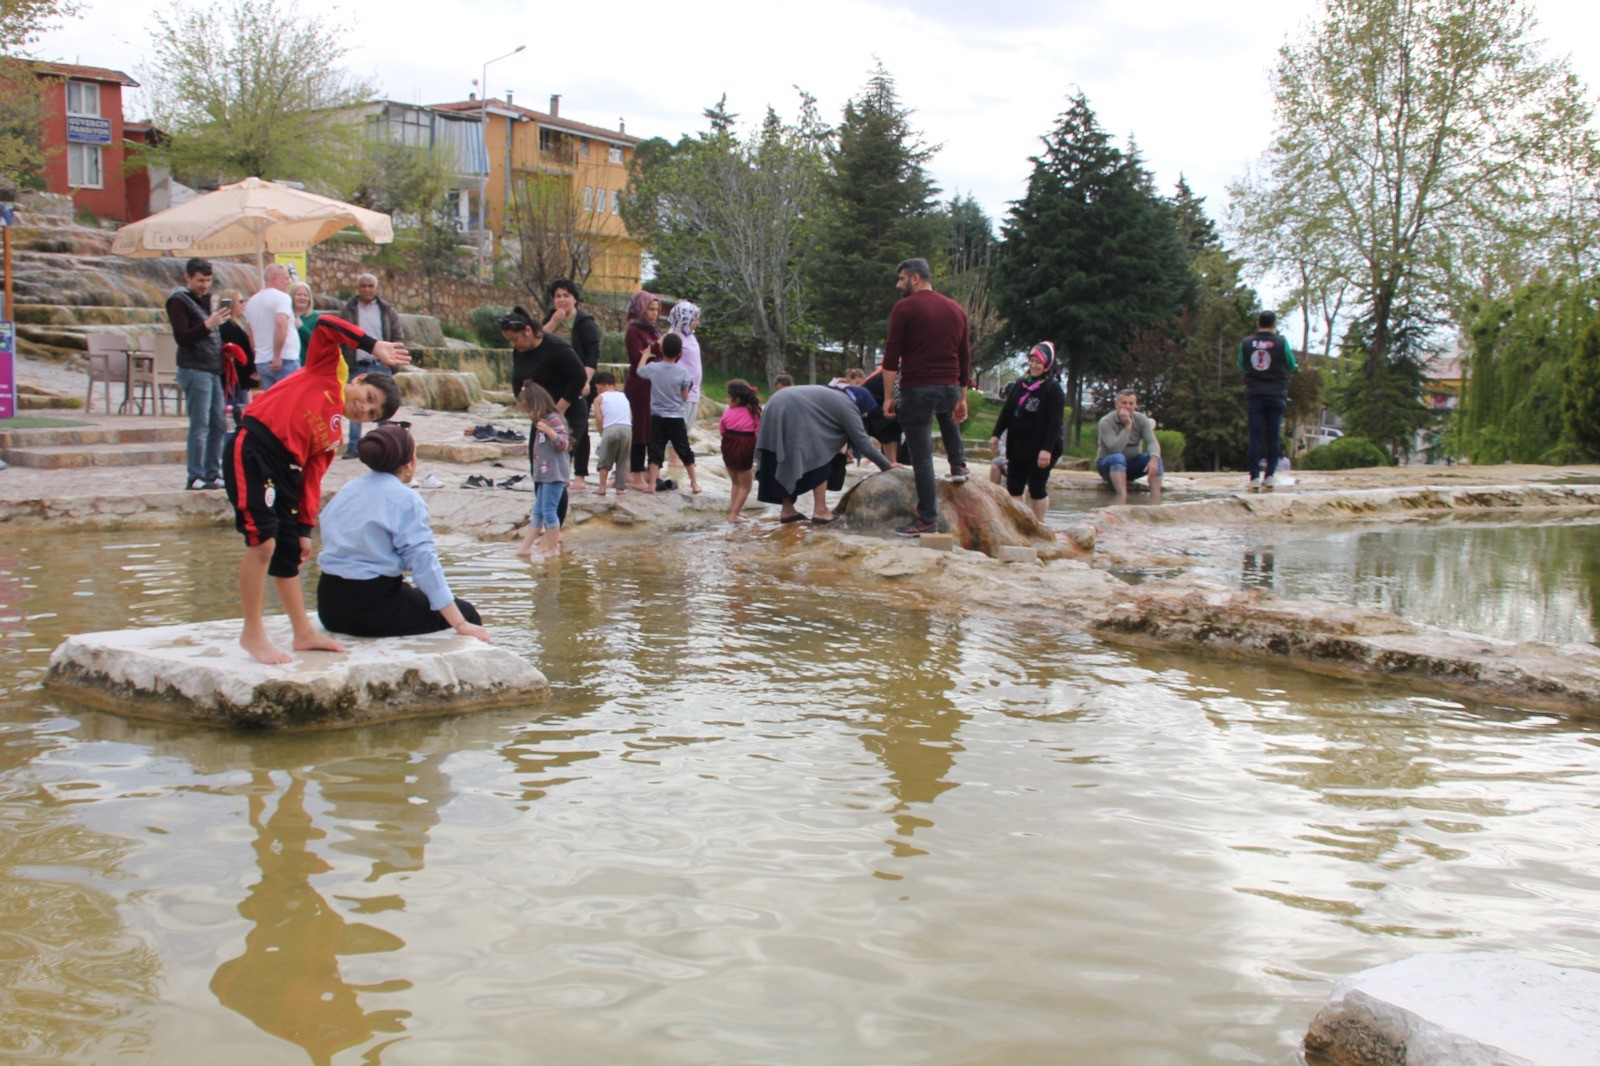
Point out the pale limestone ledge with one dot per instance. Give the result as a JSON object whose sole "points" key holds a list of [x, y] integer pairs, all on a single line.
{"points": [[198, 673], [1473, 1009]]}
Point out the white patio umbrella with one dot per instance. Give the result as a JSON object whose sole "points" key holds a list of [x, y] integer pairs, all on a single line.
{"points": [[248, 216]]}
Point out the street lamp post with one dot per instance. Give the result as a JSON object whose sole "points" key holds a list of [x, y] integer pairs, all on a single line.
{"points": [[483, 112]]}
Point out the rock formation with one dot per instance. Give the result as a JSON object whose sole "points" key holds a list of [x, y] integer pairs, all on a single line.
{"points": [[1472, 1009], [198, 673], [978, 514]]}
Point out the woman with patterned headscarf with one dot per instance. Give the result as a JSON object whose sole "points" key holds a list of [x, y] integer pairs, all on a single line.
{"points": [[684, 317], [1032, 413], [642, 336]]}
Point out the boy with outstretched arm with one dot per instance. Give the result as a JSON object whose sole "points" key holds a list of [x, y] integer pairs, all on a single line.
{"points": [[273, 472]]}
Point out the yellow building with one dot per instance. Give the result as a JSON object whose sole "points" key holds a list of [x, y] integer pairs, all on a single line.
{"points": [[565, 179]]}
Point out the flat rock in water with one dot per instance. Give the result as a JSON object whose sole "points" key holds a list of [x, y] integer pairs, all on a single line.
{"points": [[198, 673], [1472, 1009]]}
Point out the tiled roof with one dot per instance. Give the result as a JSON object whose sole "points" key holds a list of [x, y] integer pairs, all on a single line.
{"points": [[543, 119], [73, 70]]}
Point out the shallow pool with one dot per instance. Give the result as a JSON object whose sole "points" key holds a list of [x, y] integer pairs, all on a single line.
{"points": [[768, 816], [1515, 581]]}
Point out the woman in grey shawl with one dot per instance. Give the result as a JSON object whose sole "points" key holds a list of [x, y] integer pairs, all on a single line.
{"points": [[798, 447]]}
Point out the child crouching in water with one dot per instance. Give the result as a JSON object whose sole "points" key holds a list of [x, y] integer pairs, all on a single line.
{"points": [[739, 425], [552, 469], [613, 417], [372, 533]]}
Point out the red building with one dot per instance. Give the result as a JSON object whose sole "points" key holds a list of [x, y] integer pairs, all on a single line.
{"points": [[81, 132]]}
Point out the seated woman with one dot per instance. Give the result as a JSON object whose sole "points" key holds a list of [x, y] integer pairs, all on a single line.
{"points": [[803, 428], [374, 530]]}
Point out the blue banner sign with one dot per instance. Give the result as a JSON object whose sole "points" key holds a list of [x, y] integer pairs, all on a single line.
{"points": [[81, 129]]}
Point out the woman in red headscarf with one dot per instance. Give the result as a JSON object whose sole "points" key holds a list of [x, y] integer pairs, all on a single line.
{"points": [[642, 336]]}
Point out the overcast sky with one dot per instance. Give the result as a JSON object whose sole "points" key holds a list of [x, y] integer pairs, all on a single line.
{"points": [[1187, 78]]}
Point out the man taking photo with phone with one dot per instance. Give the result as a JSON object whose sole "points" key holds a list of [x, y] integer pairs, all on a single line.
{"points": [[194, 327]]}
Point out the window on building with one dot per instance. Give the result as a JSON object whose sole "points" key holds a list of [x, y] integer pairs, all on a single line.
{"points": [[615, 155], [588, 197], [83, 166], [83, 98], [549, 140], [411, 125], [616, 202], [583, 148], [600, 200]]}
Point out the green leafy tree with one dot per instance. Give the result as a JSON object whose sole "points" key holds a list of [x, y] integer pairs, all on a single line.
{"points": [[253, 88], [22, 155], [1518, 350], [964, 272], [1580, 399], [412, 185], [878, 210], [22, 21], [732, 217], [1414, 146], [1090, 255], [1376, 395]]}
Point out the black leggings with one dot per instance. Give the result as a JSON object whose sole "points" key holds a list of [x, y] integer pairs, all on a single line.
{"points": [[380, 607]]}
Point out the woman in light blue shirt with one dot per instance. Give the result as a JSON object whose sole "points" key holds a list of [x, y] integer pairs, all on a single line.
{"points": [[375, 530]]}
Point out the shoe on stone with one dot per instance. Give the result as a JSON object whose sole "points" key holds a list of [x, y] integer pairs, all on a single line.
{"points": [[350, 453], [1270, 483], [917, 529], [432, 481], [197, 484], [484, 432], [958, 474], [1255, 486], [216, 483]]}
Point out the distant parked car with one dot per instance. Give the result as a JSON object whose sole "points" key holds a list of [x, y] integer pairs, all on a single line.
{"points": [[1316, 436]]}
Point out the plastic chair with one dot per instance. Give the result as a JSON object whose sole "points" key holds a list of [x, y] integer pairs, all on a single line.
{"points": [[155, 370], [108, 363]]}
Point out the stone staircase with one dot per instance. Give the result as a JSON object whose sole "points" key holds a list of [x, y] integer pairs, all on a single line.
{"points": [[65, 449]]}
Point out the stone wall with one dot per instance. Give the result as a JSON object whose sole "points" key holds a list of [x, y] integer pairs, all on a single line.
{"points": [[335, 265]]}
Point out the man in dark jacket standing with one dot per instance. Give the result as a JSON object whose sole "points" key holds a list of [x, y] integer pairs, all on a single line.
{"points": [[1267, 361], [379, 318], [194, 327]]}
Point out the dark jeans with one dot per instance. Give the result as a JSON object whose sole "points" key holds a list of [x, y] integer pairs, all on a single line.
{"points": [[208, 425], [915, 411], [1266, 431]]}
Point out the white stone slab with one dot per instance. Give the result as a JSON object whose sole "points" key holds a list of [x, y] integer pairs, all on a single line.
{"points": [[1470, 1009], [198, 673]]}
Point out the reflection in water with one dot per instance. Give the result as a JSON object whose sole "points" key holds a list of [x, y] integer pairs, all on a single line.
{"points": [[1094, 855], [910, 723], [1512, 582], [288, 980], [64, 949]]}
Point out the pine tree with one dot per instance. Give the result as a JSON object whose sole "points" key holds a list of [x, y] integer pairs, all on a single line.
{"points": [[880, 211], [1091, 254]]}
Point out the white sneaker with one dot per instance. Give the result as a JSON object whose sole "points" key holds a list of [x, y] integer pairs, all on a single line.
{"points": [[1255, 486], [431, 482], [1270, 483]]}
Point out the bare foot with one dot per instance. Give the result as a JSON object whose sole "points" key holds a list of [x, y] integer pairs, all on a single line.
{"points": [[318, 642], [737, 518], [695, 489], [263, 650]]}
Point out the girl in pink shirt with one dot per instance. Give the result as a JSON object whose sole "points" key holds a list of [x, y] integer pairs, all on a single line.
{"points": [[739, 424]]}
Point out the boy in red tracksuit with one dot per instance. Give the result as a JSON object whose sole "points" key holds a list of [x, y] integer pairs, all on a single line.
{"points": [[273, 471]]}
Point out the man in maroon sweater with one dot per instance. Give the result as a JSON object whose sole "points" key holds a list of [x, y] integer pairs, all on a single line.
{"points": [[927, 362]]}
